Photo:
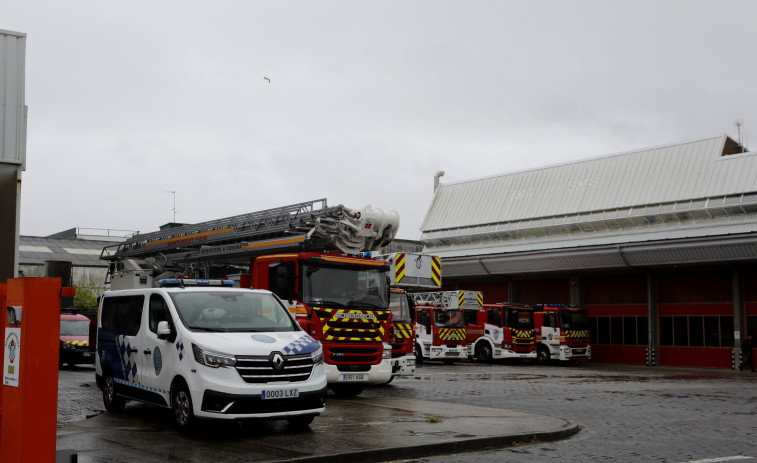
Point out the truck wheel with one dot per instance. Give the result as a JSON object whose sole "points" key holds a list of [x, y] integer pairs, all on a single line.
{"points": [[418, 355], [347, 390], [484, 353], [542, 355], [299, 422], [111, 400], [181, 404]]}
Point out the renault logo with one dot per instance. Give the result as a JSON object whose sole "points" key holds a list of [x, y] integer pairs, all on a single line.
{"points": [[278, 361]]}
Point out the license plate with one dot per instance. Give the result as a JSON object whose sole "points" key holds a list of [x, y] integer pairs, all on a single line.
{"points": [[87, 354], [579, 351], [353, 377], [280, 394]]}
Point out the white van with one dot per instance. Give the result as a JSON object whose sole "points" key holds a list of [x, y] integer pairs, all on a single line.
{"points": [[207, 350]]}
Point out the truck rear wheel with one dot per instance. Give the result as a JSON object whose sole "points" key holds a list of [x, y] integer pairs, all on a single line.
{"points": [[418, 355], [347, 390], [484, 353]]}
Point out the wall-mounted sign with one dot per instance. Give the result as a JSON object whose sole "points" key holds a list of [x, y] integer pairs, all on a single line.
{"points": [[12, 362]]}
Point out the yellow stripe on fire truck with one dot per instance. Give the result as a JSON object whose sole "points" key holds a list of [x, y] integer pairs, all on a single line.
{"points": [[452, 334], [577, 334], [78, 343], [436, 270], [523, 333], [403, 330], [399, 267]]}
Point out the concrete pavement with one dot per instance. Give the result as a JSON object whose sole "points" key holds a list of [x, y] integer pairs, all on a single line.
{"points": [[360, 429]]}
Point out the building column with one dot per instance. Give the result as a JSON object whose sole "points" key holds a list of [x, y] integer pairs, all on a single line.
{"points": [[652, 321], [739, 316]]}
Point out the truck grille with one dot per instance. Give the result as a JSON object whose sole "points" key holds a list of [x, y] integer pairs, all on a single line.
{"points": [[352, 354], [260, 369]]}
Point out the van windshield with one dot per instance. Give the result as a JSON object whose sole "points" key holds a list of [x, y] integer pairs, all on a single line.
{"points": [[231, 311]]}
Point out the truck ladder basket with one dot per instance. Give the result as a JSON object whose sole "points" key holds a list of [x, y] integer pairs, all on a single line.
{"points": [[451, 299]]}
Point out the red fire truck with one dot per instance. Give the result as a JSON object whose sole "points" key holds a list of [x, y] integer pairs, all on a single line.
{"points": [[500, 331], [306, 254], [562, 333], [440, 325], [408, 273]]}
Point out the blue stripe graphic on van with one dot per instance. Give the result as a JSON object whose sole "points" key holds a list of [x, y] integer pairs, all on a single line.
{"points": [[141, 386], [304, 345]]}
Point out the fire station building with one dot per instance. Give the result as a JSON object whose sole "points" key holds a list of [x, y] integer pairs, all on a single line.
{"points": [[659, 245]]}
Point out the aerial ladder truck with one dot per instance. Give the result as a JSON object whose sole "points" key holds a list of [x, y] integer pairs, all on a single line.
{"points": [[306, 254], [440, 324], [408, 274]]}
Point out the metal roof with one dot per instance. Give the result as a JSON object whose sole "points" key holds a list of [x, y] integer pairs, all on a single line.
{"points": [[703, 185], [34, 250]]}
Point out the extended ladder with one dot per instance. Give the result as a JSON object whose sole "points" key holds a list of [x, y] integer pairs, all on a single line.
{"points": [[305, 224]]}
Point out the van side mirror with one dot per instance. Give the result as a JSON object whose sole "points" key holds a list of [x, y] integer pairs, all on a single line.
{"points": [[164, 330]]}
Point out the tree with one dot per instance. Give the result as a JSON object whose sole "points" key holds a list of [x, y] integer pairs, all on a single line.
{"points": [[87, 294]]}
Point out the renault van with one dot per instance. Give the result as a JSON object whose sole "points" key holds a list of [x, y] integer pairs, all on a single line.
{"points": [[207, 350]]}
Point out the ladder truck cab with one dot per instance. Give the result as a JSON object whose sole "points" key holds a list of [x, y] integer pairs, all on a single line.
{"points": [[500, 331], [440, 325], [562, 333], [306, 254], [408, 273]]}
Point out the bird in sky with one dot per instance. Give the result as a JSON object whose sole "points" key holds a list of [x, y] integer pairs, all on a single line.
{"points": [[266, 78]]}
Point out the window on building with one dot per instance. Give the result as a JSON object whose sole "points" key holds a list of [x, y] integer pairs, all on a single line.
{"points": [[642, 334], [603, 330], [616, 330], [629, 331], [696, 331]]}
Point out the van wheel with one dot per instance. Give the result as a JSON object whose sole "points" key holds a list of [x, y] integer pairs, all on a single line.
{"points": [[113, 403], [298, 422], [347, 390], [484, 353], [542, 355], [181, 403]]}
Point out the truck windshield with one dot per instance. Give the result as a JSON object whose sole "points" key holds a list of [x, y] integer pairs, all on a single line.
{"points": [[449, 318], [573, 320], [231, 311], [520, 319], [74, 328], [399, 307], [349, 286]]}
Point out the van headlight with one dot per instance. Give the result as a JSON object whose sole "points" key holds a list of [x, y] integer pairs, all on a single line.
{"points": [[213, 359], [317, 356]]}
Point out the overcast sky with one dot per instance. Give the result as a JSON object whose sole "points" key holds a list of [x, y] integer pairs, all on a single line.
{"points": [[366, 101]]}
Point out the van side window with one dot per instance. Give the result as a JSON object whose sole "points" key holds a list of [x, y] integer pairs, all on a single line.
{"points": [[122, 314], [158, 312]]}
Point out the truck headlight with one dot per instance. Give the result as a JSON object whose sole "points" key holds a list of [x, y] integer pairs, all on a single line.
{"points": [[317, 356], [387, 352], [213, 359]]}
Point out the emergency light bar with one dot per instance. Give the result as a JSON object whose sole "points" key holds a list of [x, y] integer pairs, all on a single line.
{"points": [[182, 282]]}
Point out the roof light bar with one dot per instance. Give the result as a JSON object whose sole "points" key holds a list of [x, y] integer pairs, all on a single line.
{"points": [[181, 282]]}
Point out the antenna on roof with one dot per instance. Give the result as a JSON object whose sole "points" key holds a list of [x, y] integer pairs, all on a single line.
{"points": [[742, 135], [174, 204]]}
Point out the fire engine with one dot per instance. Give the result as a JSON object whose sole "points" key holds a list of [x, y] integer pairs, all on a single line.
{"points": [[306, 254], [562, 333], [440, 324], [500, 331], [408, 273]]}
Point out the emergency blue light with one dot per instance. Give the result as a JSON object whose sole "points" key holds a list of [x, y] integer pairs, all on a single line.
{"points": [[181, 282]]}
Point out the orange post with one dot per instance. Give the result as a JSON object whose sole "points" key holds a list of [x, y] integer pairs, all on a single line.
{"points": [[30, 389]]}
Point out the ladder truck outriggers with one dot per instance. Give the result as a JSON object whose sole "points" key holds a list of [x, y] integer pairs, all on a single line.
{"points": [[562, 333], [500, 331], [440, 324], [408, 273], [306, 254]]}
